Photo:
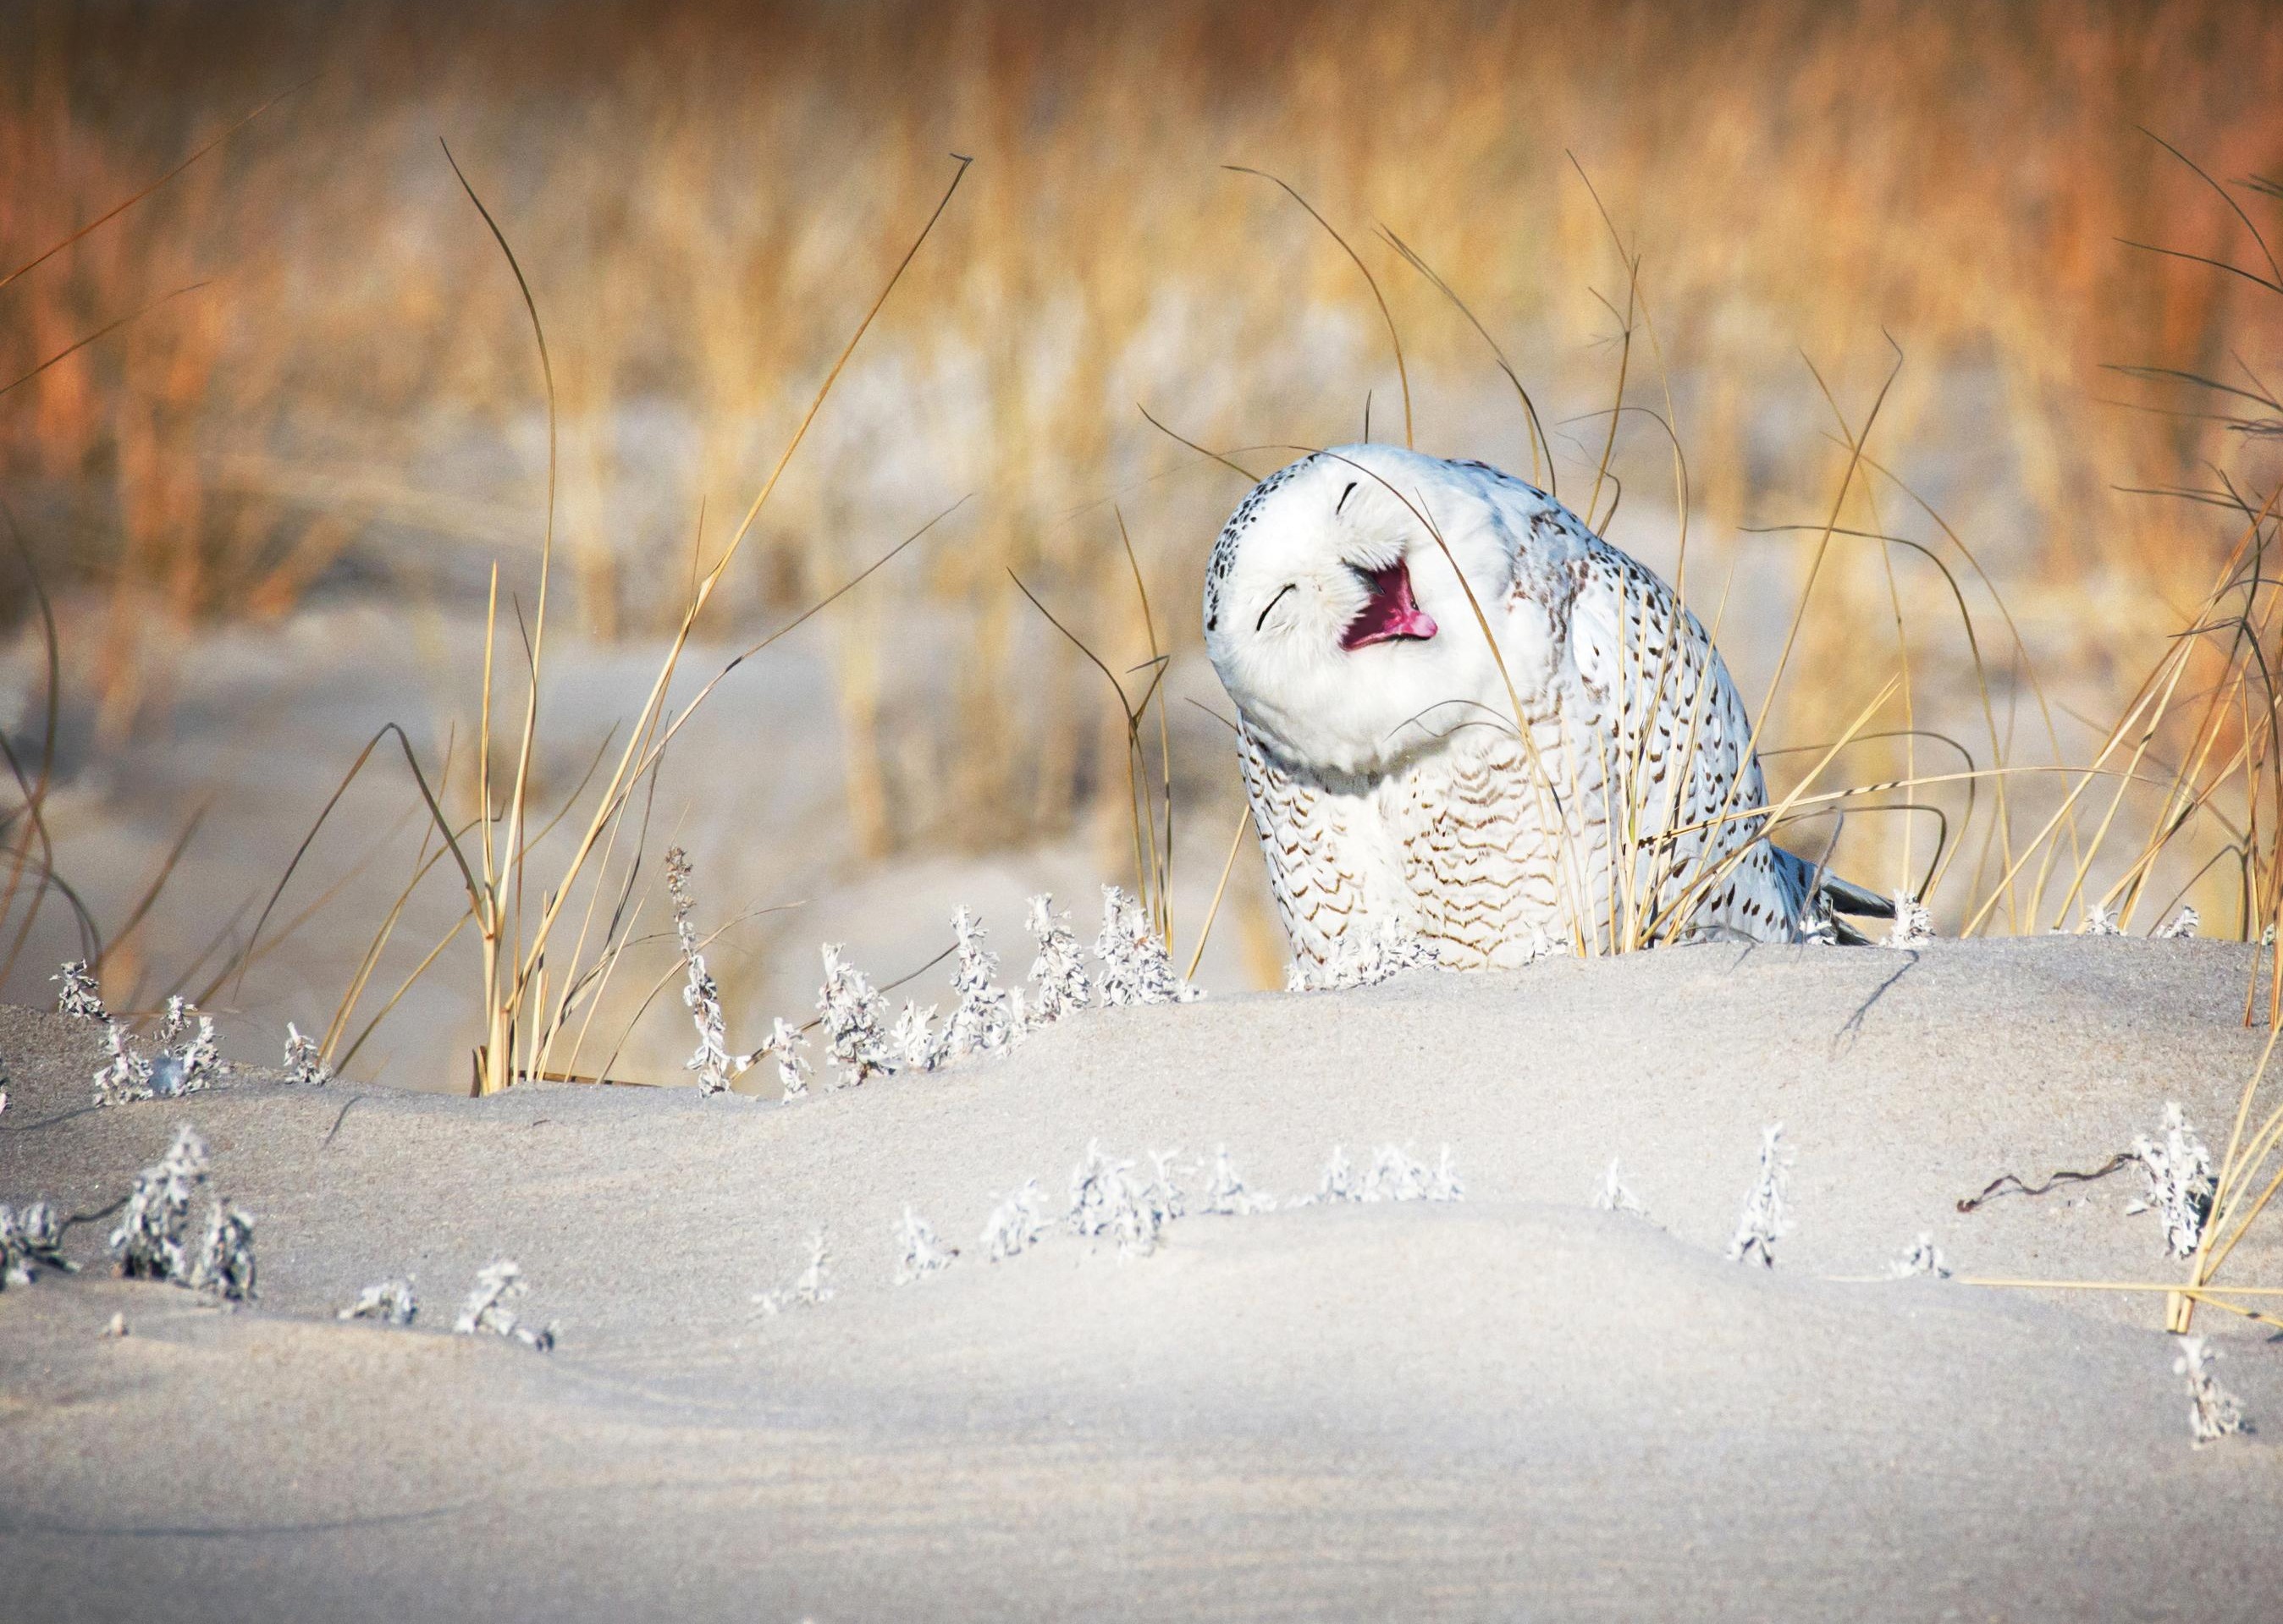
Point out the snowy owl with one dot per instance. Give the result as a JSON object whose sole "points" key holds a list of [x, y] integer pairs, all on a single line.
{"points": [[1378, 696]]}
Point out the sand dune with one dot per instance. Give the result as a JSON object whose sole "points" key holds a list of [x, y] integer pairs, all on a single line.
{"points": [[1508, 1406]]}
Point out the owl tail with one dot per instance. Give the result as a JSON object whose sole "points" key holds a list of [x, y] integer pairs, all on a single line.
{"points": [[1834, 898], [1845, 897]]}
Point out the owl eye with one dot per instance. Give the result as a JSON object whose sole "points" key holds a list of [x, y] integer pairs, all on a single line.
{"points": [[1273, 602]]}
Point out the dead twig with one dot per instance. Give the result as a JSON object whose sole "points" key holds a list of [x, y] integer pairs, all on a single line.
{"points": [[1996, 1186]]}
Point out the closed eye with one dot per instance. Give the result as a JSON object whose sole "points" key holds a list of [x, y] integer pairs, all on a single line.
{"points": [[1273, 602]]}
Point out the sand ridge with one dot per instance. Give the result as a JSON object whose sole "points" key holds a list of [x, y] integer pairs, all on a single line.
{"points": [[1512, 1405]]}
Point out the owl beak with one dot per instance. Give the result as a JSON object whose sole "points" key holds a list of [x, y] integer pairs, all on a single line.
{"points": [[1392, 615]]}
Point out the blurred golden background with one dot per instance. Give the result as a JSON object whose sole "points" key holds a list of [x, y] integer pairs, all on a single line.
{"points": [[326, 399]]}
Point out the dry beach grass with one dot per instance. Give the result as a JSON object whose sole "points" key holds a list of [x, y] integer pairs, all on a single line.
{"points": [[691, 214], [2015, 615]]}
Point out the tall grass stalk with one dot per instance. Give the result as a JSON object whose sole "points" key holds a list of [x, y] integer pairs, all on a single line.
{"points": [[521, 1024]]}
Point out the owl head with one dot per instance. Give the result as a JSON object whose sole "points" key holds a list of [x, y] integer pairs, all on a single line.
{"points": [[1334, 610]]}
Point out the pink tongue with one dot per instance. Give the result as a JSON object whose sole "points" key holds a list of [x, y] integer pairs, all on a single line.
{"points": [[1392, 615]]}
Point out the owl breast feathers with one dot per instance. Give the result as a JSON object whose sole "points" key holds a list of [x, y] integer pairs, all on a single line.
{"points": [[1466, 718]]}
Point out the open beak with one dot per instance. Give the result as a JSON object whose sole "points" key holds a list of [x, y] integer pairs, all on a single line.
{"points": [[1392, 615]]}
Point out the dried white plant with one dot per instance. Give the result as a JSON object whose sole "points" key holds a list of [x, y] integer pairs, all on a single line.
{"points": [[2185, 924], [712, 1060], [389, 1302], [2178, 1169], [1137, 1226], [33, 1237], [193, 1061], [1097, 1189], [1923, 1258], [1136, 968], [1913, 923], [485, 1312], [1764, 1221], [15, 1251], [2099, 922], [174, 1024], [127, 1075], [789, 1043], [1395, 1176], [1163, 1194], [305, 1060], [1337, 1181], [1226, 1193], [41, 1232], [149, 1242], [915, 1042], [1615, 1196], [497, 1283], [1105, 1202], [1016, 1224], [189, 1058], [1058, 984], [224, 1264], [853, 1035], [920, 1253], [985, 1019], [2214, 1413], [78, 994], [809, 1287], [1364, 961]]}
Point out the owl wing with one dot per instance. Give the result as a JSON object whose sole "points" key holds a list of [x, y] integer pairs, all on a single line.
{"points": [[1659, 729], [1658, 694], [1329, 862]]}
